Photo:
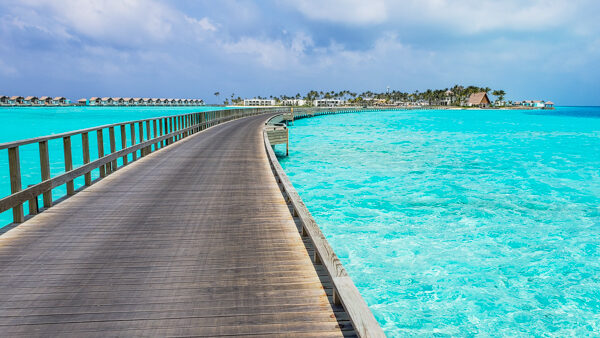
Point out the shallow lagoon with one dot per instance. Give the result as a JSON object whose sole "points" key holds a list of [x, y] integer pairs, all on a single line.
{"points": [[461, 222]]}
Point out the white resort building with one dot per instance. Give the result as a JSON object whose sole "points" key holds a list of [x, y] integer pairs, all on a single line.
{"points": [[294, 102], [327, 103], [259, 102]]}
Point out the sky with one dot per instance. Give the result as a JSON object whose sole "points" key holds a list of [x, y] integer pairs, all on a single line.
{"points": [[192, 48]]}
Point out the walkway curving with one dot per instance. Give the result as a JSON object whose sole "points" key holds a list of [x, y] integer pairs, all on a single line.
{"points": [[194, 239]]}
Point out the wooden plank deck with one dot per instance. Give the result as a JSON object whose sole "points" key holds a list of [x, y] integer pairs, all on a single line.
{"points": [[195, 239]]}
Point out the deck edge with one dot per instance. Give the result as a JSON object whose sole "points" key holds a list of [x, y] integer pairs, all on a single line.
{"points": [[345, 292]]}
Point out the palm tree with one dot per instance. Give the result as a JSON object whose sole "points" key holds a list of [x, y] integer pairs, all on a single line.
{"points": [[217, 95], [499, 94]]}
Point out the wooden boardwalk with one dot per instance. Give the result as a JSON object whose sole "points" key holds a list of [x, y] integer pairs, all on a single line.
{"points": [[192, 240]]}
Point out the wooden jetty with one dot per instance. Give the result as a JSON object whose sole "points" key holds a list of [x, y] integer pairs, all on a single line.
{"points": [[198, 232]]}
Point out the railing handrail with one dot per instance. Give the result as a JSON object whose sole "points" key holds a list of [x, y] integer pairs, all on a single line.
{"points": [[26, 194], [157, 133], [345, 292], [37, 139]]}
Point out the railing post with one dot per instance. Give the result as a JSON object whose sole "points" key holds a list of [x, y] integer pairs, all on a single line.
{"points": [[171, 128], [45, 171], [141, 128], [14, 166], [155, 128], [163, 124], [33, 205], [113, 147], [148, 148], [68, 163], [133, 154], [124, 142], [85, 147], [101, 151]]}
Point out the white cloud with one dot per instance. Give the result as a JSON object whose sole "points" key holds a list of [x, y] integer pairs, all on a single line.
{"points": [[122, 22], [345, 11], [467, 16], [204, 24]]}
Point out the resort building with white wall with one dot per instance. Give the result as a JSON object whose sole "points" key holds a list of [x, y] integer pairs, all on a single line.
{"points": [[327, 103], [259, 102]]}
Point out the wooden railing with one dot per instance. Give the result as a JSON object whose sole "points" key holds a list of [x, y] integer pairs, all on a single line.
{"points": [[152, 134], [296, 113], [345, 292]]}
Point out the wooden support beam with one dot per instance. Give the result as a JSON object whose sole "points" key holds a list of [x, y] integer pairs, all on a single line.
{"points": [[45, 171], [124, 142], [113, 147], [14, 166], [85, 147], [155, 129], [68, 163], [148, 137], [141, 129], [100, 139], [133, 142]]}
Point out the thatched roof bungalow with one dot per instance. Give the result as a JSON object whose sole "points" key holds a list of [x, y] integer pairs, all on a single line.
{"points": [[118, 101], [15, 100], [59, 100], [46, 100], [82, 102], [4, 99], [146, 101], [549, 105], [31, 100], [107, 101], [137, 101], [95, 101], [480, 100], [128, 101]]}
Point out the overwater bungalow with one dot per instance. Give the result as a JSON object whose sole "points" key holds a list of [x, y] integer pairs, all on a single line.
{"points": [[480, 100], [4, 100], [548, 105], [137, 101], [82, 102], [15, 100], [46, 100], [95, 101], [107, 101], [118, 101], [31, 100], [538, 104], [59, 101], [128, 101], [162, 102]]}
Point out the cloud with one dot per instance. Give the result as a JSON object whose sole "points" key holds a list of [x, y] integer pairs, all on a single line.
{"points": [[466, 16], [115, 22], [344, 11]]}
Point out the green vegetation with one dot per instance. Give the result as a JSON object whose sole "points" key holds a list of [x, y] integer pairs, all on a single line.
{"points": [[456, 95]]}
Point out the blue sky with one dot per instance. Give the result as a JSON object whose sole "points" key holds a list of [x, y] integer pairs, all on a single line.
{"points": [[191, 48]]}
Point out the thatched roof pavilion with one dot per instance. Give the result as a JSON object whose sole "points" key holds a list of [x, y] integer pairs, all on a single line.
{"points": [[480, 99]]}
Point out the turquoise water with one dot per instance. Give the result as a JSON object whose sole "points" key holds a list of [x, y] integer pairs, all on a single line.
{"points": [[27, 122], [461, 223]]}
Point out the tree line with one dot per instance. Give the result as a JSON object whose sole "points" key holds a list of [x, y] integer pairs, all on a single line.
{"points": [[456, 95]]}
